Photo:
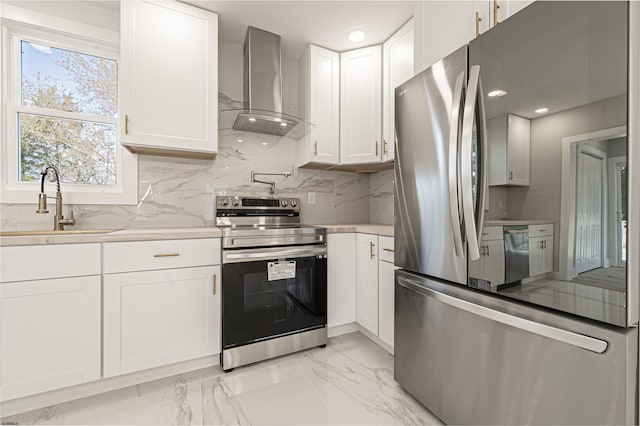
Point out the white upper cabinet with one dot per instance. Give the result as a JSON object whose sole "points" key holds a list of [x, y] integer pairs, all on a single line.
{"points": [[169, 79], [361, 105], [442, 27], [509, 150], [320, 105], [397, 67]]}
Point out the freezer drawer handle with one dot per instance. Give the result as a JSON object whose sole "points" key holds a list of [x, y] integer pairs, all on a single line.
{"points": [[580, 340]]}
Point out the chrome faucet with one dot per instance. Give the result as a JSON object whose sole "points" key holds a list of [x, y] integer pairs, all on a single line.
{"points": [[272, 190], [58, 220]]}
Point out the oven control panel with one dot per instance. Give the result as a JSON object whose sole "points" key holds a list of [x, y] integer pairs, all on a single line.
{"points": [[234, 205]]}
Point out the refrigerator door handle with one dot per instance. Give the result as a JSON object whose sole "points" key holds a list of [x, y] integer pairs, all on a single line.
{"points": [[454, 182], [565, 336], [473, 98]]}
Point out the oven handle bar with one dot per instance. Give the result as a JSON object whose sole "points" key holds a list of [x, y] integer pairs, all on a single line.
{"points": [[250, 255]]}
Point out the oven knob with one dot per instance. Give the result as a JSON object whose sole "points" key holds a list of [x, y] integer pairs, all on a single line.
{"points": [[293, 203], [284, 203], [235, 202], [224, 201]]}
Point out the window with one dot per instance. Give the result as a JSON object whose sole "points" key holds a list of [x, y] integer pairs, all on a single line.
{"points": [[62, 109]]}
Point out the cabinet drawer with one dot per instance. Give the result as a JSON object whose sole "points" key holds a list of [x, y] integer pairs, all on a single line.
{"points": [[385, 249], [492, 233], [541, 230], [149, 255], [22, 263]]}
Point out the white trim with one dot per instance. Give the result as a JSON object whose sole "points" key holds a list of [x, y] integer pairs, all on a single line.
{"points": [[613, 200], [20, 16], [567, 200]]}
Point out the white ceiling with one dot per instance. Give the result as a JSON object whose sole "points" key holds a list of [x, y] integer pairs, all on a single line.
{"points": [[325, 23]]}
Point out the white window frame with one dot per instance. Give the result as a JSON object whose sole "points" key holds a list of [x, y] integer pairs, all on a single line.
{"points": [[124, 192]]}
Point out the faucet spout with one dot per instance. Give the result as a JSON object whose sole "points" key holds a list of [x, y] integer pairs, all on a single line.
{"points": [[272, 189], [58, 221]]}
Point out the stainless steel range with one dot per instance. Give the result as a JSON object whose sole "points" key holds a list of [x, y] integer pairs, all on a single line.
{"points": [[274, 280]]}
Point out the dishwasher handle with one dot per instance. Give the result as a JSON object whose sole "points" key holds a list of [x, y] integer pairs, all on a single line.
{"points": [[516, 231]]}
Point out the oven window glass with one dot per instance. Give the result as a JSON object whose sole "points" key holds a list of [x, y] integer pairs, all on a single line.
{"points": [[255, 308]]}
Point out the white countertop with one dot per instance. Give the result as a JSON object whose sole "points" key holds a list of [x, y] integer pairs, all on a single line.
{"points": [[514, 222], [117, 235], [363, 228]]}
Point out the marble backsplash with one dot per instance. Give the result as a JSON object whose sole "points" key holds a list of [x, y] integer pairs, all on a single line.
{"points": [[177, 192], [381, 193]]}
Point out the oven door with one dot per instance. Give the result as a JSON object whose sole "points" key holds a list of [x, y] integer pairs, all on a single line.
{"points": [[271, 292]]}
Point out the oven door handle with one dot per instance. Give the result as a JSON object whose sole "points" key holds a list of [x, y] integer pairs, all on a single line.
{"points": [[250, 255]]}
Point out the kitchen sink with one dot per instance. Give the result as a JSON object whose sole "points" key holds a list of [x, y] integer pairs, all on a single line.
{"points": [[52, 232]]}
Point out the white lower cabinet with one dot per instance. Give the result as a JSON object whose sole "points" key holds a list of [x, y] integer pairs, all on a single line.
{"points": [[490, 267], [540, 249], [166, 314], [50, 326], [367, 281], [341, 279], [386, 289]]}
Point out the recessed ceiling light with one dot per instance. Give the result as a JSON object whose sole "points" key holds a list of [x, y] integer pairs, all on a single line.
{"points": [[264, 143], [542, 110], [496, 93], [240, 140], [252, 119], [356, 35], [283, 124]]}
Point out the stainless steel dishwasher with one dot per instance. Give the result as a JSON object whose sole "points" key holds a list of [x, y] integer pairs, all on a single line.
{"points": [[516, 253]]}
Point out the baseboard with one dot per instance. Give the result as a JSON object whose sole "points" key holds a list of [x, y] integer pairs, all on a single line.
{"points": [[375, 339], [45, 399], [339, 330]]}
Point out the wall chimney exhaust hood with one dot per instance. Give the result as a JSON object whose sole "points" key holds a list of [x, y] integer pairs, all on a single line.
{"points": [[262, 111]]}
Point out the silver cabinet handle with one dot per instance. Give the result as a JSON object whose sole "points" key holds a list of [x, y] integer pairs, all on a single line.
{"points": [[215, 279], [580, 340], [371, 249], [388, 249], [454, 183]]}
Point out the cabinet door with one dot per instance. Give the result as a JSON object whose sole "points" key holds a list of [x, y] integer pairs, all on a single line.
{"points": [[155, 318], [386, 294], [324, 105], [367, 281], [494, 262], [535, 256], [50, 334], [482, 15], [518, 150], [546, 260], [397, 57], [169, 78], [361, 105], [341, 275]]}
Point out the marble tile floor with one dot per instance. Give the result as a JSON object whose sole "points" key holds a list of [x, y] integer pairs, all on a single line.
{"points": [[350, 382]]}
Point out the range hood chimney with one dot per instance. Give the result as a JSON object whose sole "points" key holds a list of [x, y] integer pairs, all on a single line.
{"points": [[262, 90]]}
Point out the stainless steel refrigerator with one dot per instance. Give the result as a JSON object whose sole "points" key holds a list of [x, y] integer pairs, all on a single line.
{"points": [[477, 341]]}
